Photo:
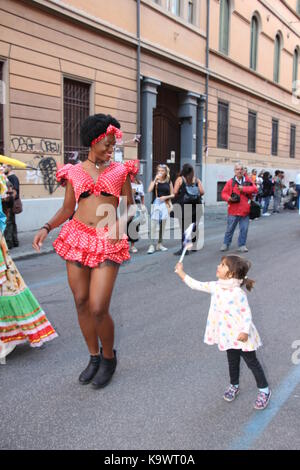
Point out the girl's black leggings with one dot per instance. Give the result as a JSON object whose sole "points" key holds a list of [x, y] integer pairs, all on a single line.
{"points": [[234, 357]]}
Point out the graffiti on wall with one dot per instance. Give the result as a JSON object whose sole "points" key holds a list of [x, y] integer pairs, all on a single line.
{"points": [[20, 144], [42, 171]]}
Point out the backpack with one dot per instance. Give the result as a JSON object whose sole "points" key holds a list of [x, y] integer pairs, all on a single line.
{"points": [[191, 193]]}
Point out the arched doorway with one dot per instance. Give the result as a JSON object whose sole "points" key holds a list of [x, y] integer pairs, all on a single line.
{"points": [[166, 131]]}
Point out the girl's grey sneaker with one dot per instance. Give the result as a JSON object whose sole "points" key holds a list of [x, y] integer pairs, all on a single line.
{"points": [[151, 249], [231, 393], [262, 400]]}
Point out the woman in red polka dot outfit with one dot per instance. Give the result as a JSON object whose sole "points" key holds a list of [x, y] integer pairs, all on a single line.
{"points": [[93, 242]]}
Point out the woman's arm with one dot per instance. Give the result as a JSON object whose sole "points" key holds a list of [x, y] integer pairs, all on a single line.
{"points": [[177, 186], [200, 186], [118, 229], [63, 214], [151, 185]]}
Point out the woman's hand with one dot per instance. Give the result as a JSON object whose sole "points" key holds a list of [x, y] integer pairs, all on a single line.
{"points": [[243, 337], [39, 239]]}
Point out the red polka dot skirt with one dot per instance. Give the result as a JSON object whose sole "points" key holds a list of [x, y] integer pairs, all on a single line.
{"points": [[89, 245]]}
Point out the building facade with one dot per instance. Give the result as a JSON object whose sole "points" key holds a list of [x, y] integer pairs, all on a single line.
{"points": [[209, 82]]}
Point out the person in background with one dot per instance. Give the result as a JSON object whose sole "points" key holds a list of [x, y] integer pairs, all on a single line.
{"points": [[237, 192], [11, 233], [163, 193], [290, 198], [298, 189], [188, 191], [267, 191], [139, 199], [278, 186]]}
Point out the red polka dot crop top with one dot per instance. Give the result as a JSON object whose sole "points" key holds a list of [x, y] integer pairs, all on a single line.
{"points": [[109, 181]]}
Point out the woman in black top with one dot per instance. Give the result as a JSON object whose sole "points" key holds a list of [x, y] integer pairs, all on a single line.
{"points": [[162, 189], [267, 191], [188, 191]]}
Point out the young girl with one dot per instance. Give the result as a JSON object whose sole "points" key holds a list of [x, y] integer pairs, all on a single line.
{"points": [[230, 325]]}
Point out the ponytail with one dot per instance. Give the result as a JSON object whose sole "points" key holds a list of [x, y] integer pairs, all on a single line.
{"points": [[248, 283]]}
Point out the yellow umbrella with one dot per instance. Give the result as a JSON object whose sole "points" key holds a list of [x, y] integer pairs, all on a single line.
{"points": [[12, 162]]}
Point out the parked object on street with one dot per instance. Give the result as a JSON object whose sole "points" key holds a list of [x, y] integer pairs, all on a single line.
{"points": [[230, 325]]}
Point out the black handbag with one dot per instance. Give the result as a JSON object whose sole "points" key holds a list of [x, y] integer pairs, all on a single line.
{"points": [[255, 211]]}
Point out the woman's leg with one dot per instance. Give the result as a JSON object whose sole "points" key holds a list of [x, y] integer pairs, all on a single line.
{"points": [[101, 287], [162, 227], [79, 282]]}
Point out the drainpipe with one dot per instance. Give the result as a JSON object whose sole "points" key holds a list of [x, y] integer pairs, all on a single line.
{"points": [[207, 71], [138, 33]]}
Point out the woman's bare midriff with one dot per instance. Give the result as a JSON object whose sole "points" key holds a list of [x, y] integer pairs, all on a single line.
{"points": [[104, 206]]}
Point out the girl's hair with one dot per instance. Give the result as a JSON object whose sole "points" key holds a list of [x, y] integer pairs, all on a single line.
{"points": [[238, 268], [96, 125], [166, 169], [187, 170]]}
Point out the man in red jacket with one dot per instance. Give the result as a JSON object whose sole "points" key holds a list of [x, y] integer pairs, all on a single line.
{"points": [[237, 192]]}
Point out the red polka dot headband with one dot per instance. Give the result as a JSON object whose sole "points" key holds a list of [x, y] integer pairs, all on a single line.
{"points": [[111, 130]]}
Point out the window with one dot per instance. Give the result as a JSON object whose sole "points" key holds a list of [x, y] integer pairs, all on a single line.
{"points": [[251, 131], [191, 11], [223, 111], [1, 111], [254, 43], [274, 136], [174, 7], [293, 141], [224, 27], [295, 69], [220, 187], [76, 110], [277, 57]]}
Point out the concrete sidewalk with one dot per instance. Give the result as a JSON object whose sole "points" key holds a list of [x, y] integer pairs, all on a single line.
{"points": [[25, 249]]}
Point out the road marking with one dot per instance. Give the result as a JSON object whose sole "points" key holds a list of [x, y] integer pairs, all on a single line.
{"points": [[257, 425]]}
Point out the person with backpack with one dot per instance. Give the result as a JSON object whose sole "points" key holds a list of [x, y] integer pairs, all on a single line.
{"points": [[238, 192], [188, 192], [267, 191]]}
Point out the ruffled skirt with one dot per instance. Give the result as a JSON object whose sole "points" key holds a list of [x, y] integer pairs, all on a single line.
{"points": [[22, 318], [89, 246]]}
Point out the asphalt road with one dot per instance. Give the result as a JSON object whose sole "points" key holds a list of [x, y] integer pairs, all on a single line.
{"points": [[167, 392]]}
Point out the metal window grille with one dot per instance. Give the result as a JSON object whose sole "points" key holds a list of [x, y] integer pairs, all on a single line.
{"points": [[293, 141], [220, 187], [224, 27], [251, 131], [295, 69], [223, 110], [277, 58], [1, 112], [191, 12], [76, 110], [274, 136], [254, 41]]}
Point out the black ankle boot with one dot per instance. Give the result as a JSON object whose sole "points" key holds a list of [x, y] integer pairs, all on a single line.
{"points": [[105, 372], [89, 373]]}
